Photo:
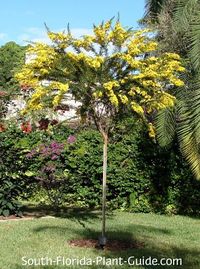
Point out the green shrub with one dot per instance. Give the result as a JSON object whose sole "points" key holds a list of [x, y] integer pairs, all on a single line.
{"points": [[125, 171], [141, 176], [13, 165]]}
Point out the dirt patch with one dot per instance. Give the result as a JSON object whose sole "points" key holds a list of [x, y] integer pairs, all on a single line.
{"points": [[24, 217], [112, 245], [9, 217]]}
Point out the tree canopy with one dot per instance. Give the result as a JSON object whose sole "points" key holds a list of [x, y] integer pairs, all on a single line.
{"points": [[112, 68]]}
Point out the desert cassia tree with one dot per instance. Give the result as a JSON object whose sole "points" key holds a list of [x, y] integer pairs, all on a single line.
{"points": [[108, 72]]}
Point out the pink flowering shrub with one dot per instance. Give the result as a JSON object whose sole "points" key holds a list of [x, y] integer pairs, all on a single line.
{"points": [[52, 174]]}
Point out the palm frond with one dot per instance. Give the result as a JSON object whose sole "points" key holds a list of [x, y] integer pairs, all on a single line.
{"points": [[152, 9], [183, 17], [187, 22], [194, 37], [184, 12], [165, 122], [187, 138]]}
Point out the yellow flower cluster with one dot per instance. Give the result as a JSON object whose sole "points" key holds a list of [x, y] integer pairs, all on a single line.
{"points": [[61, 39], [94, 62], [124, 98], [61, 89], [26, 77], [171, 55], [161, 101], [131, 61], [176, 81], [120, 76], [152, 130], [54, 89], [137, 108], [166, 99], [140, 44], [119, 35], [97, 94], [35, 101], [43, 55], [101, 33], [109, 86], [84, 43]]}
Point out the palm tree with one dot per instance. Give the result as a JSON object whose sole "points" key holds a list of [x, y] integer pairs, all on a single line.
{"points": [[178, 26], [152, 10]]}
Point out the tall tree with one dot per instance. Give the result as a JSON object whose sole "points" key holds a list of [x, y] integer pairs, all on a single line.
{"points": [[153, 9], [108, 72]]}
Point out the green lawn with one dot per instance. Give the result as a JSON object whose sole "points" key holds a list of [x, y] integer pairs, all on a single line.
{"points": [[163, 236]]}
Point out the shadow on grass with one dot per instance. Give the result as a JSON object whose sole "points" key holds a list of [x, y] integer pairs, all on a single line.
{"points": [[189, 258], [79, 215], [39, 211], [156, 243], [147, 247]]}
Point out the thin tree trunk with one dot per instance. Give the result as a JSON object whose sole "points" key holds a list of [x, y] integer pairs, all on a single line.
{"points": [[102, 238], [105, 149]]}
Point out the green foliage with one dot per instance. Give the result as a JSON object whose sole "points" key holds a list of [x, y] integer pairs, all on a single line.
{"points": [[178, 28], [141, 176], [12, 171], [12, 58], [84, 160]]}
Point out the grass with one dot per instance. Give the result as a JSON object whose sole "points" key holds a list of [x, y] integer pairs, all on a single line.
{"points": [[163, 236]]}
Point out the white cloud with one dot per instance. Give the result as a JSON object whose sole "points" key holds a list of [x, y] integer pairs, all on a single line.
{"points": [[33, 34], [40, 34], [78, 32], [3, 36]]}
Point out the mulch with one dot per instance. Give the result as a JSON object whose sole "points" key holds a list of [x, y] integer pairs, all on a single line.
{"points": [[111, 245]]}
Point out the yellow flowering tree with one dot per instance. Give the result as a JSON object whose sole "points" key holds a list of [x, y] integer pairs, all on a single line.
{"points": [[108, 71]]}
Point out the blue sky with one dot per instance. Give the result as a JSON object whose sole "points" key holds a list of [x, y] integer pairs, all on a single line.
{"points": [[23, 20]]}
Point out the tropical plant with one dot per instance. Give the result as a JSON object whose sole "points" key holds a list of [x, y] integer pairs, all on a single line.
{"points": [[152, 10], [178, 25]]}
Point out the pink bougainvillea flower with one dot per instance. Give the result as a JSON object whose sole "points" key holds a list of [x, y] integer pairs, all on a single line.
{"points": [[71, 139]]}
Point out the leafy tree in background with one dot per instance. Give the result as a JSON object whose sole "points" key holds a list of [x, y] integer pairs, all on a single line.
{"points": [[109, 72], [11, 59]]}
